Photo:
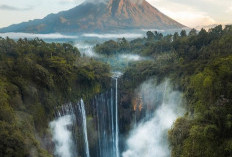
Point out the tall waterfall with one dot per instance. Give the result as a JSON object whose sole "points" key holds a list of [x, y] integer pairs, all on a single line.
{"points": [[105, 123], [116, 106], [74, 131], [82, 109], [112, 122], [107, 120]]}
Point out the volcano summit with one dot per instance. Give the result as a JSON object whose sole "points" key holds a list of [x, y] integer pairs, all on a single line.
{"points": [[104, 16]]}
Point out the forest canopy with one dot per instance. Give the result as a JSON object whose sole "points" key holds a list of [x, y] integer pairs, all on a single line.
{"points": [[35, 78], [199, 63]]}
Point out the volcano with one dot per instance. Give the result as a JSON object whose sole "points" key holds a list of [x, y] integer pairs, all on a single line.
{"points": [[109, 16]]}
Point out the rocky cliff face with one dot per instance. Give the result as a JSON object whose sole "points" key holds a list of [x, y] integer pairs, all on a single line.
{"points": [[108, 16]]}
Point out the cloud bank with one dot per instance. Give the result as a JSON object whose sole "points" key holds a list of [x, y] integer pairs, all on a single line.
{"points": [[114, 36], [31, 36], [12, 8], [105, 1], [197, 12]]}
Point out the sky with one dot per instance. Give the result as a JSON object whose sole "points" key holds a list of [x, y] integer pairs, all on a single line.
{"points": [[191, 13]]}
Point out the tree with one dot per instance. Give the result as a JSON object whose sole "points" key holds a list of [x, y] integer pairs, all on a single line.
{"points": [[158, 36], [123, 44], [183, 33], [193, 32], [176, 36], [150, 36]]}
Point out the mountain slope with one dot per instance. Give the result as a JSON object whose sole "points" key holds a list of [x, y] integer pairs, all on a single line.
{"points": [[89, 17]]}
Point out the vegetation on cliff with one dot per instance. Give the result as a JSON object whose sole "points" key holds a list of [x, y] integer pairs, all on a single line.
{"points": [[35, 78], [200, 65]]}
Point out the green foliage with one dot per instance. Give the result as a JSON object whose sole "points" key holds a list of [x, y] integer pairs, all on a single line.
{"points": [[108, 48], [35, 78], [178, 134], [183, 33], [193, 32], [200, 65], [11, 141], [150, 36]]}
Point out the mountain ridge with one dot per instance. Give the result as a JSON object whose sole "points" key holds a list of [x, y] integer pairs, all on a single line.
{"points": [[104, 17]]}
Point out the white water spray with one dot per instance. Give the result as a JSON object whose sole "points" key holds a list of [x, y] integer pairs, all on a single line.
{"points": [[149, 138], [62, 136]]}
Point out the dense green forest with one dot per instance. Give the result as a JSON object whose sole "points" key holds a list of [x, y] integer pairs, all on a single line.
{"points": [[200, 65], [35, 78]]}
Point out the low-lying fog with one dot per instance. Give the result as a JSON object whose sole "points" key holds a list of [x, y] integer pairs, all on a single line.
{"points": [[86, 42], [14, 35], [117, 62], [86, 49], [86, 36], [131, 57], [115, 36]]}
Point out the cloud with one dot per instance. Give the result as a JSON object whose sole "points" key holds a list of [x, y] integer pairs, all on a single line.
{"points": [[71, 1], [77, 2], [96, 1], [187, 14], [12, 8], [191, 18], [115, 36], [229, 10], [31, 36], [104, 1]]}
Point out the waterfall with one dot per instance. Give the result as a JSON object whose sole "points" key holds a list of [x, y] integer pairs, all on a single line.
{"points": [[62, 128], [148, 139], [106, 105], [116, 106], [106, 123], [112, 121], [116, 75], [82, 109], [73, 140], [70, 121]]}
